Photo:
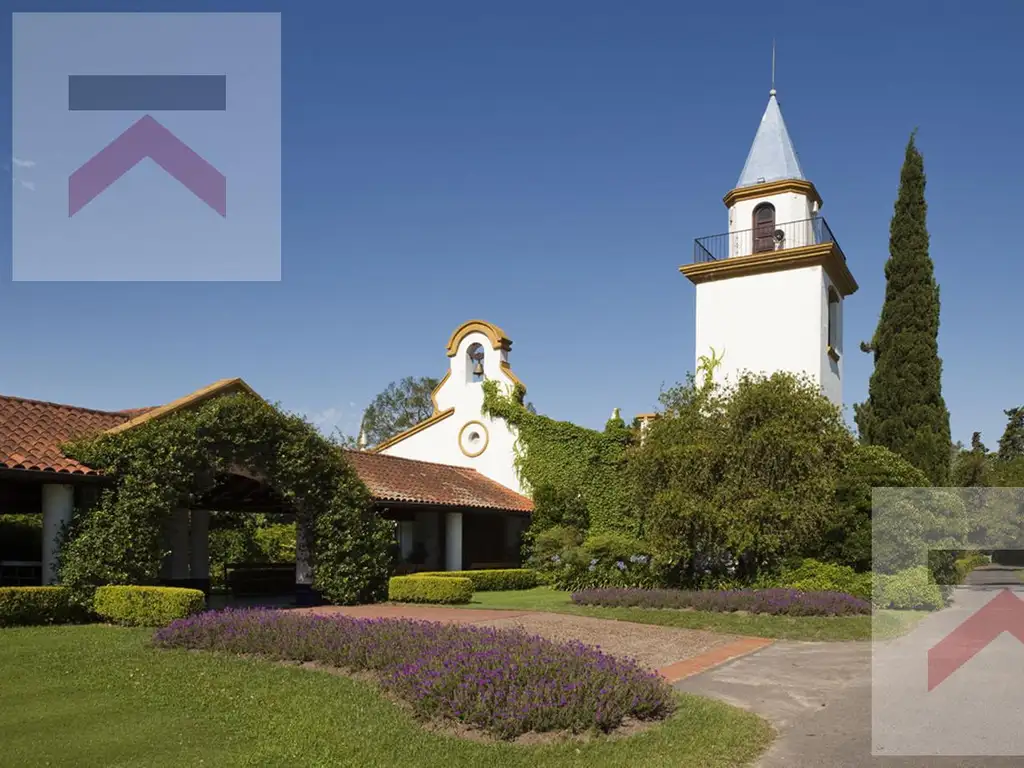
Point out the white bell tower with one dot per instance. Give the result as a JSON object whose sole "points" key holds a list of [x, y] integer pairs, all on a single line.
{"points": [[770, 291]]}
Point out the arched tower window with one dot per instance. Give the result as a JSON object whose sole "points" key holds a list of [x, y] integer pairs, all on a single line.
{"points": [[833, 319], [475, 363], [764, 228]]}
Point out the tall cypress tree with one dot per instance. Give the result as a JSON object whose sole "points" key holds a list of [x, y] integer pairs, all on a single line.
{"points": [[905, 411]]}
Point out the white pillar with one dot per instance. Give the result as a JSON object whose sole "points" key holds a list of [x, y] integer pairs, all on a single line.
{"points": [[175, 565], [58, 506], [453, 541], [199, 545]]}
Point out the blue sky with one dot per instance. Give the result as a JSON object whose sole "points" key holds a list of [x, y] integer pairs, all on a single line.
{"points": [[546, 166]]}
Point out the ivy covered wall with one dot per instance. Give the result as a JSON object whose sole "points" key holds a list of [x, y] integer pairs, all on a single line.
{"points": [[570, 458]]}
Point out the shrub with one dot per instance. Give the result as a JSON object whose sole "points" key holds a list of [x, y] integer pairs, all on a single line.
{"points": [[554, 541], [429, 589], [146, 606], [502, 681], [603, 560], [789, 602], [912, 589], [968, 562], [490, 580], [814, 576], [24, 606]]}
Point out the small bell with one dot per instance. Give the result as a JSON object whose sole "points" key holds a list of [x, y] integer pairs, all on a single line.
{"points": [[478, 369]]}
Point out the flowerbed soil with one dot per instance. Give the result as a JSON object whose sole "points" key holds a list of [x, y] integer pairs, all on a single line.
{"points": [[503, 682]]}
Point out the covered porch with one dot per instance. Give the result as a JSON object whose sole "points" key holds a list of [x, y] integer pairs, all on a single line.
{"points": [[446, 517]]}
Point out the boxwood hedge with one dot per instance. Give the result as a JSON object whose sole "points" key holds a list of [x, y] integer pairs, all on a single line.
{"points": [[24, 606], [491, 580], [146, 606], [430, 589]]}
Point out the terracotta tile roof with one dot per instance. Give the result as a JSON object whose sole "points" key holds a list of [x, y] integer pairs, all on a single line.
{"points": [[390, 478], [32, 431]]}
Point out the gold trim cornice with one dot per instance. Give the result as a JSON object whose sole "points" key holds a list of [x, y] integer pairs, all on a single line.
{"points": [[498, 338], [800, 186], [427, 422], [433, 394], [825, 255]]}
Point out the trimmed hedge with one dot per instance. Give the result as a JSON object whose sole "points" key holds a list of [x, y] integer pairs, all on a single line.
{"points": [[911, 589], [814, 576], [968, 562], [25, 606], [491, 580], [430, 589], [146, 606]]}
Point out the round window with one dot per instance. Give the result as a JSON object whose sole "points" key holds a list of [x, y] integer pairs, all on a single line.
{"points": [[473, 439]]}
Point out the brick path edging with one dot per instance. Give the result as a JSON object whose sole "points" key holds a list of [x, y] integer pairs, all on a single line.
{"points": [[680, 670]]}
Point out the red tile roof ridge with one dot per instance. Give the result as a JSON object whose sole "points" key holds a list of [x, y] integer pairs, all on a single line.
{"points": [[52, 404]]}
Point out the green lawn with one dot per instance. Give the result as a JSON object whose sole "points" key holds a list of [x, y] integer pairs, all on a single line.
{"points": [[99, 695], [886, 623]]}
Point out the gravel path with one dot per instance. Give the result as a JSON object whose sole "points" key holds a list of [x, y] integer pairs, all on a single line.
{"points": [[652, 646]]}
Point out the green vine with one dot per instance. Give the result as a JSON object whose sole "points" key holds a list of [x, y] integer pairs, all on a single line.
{"points": [[171, 462], [570, 458]]}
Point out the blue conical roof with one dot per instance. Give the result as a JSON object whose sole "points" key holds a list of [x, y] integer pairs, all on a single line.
{"points": [[772, 156]]}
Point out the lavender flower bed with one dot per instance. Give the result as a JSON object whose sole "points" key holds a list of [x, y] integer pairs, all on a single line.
{"points": [[788, 602], [502, 681]]}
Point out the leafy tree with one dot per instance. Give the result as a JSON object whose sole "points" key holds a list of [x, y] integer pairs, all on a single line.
{"points": [[971, 468], [738, 480], [1011, 444], [401, 405], [848, 540], [905, 410]]}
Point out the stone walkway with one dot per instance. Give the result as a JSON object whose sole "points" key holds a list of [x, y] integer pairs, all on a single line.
{"points": [[674, 653]]}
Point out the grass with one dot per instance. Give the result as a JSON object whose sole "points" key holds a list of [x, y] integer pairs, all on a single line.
{"points": [[885, 624], [100, 695]]}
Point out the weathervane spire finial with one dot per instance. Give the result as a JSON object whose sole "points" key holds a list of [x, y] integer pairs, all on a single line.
{"points": [[772, 91]]}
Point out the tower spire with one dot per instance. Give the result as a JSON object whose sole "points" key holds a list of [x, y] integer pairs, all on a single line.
{"points": [[772, 91]]}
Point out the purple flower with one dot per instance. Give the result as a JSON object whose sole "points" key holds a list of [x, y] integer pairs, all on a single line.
{"points": [[788, 602], [503, 681]]}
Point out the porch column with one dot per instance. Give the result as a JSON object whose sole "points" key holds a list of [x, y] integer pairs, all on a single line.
{"points": [[58, 506], [304, 541], [175, 566], [453, 541], [199, 550]]}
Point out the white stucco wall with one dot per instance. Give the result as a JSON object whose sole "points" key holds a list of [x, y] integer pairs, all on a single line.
{"points": [[766, 323], [789, 207], [440, 441]]}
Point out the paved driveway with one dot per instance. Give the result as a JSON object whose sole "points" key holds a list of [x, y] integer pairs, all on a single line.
{"points": [[819, 695]]}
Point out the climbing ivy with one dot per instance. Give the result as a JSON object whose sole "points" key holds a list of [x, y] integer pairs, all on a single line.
{"points": [[570, 458], [170, 462]]}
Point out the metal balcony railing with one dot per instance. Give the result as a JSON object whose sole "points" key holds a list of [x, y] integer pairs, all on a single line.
{"points": [[748, 242]]}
